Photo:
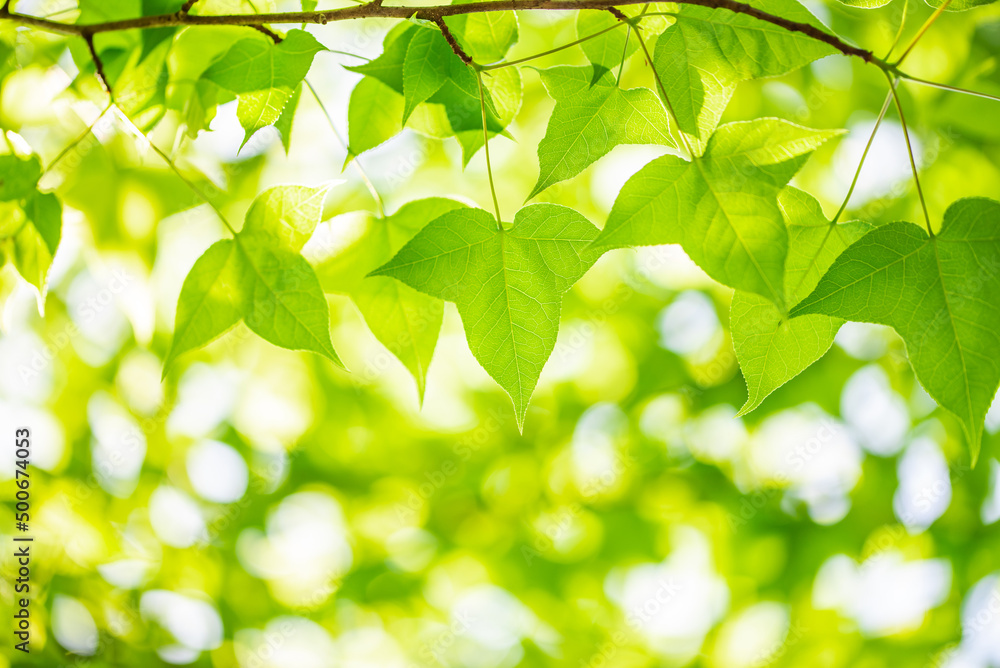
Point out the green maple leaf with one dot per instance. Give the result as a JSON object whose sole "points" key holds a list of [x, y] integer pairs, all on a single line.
{"points": [[721, 207], [373, 115], [31, 221], [264, 76], [593, 115], [608, 49], [259, 277], [208, 305], [771, 348], [388, 67], [940, 295], [286, 215], [425, 68], [507, 284], [18, 177], [485, 37], [454, 108], [405, 321], [36, 242], [702, 57], [192, 51]]}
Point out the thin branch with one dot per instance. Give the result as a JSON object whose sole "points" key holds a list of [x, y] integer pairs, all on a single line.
{"points": [[98, 66], [486, 148], [453, 43], [186, 7], [432, 13], [275, 37], [357, 163], [909, 151], [861, 163]]}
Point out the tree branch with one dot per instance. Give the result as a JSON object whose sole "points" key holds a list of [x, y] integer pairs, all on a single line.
{"points": [[452, 42], [434, 13], [98, 66]]}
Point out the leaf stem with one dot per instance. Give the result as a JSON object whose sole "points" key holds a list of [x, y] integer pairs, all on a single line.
{"points": [[621, 67], [174, 168], [909, 151], [899, 32], [357, 162], [861, 163], [953, 89], [508, 63], [76, 142], [666, 99], [923, 29], [486, 149]]}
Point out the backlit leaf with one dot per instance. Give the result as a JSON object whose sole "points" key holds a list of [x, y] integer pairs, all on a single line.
{"points": [[722, 207], [771, 348], [264, 75], [939, 293], [702, 57], [507, 284], [591, 118]]}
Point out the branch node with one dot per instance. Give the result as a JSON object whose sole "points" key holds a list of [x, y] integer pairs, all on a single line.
{"points": [[618, 14], [275, 37], [452, 42]]}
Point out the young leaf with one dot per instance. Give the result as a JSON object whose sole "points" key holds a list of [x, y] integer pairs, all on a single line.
{"points": [[425, 68], [771, 348], [373, 115], [388, 67], [264, 75], [593, 115], [939, 294], [18, 177], [261, 277], [406, 321], [191, 53], [36, 242], [209, 303], [284, 123], [722, 207], [608, 49], [508, 284], [286, 215], [485, 37], [282, 300], [702, 57], [460, 97]]}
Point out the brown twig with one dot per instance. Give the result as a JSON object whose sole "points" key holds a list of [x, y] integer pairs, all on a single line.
{"points": [[433, 13], [452, 42], [186, 7], [98, 66], [275, 37], [618, 14]]}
